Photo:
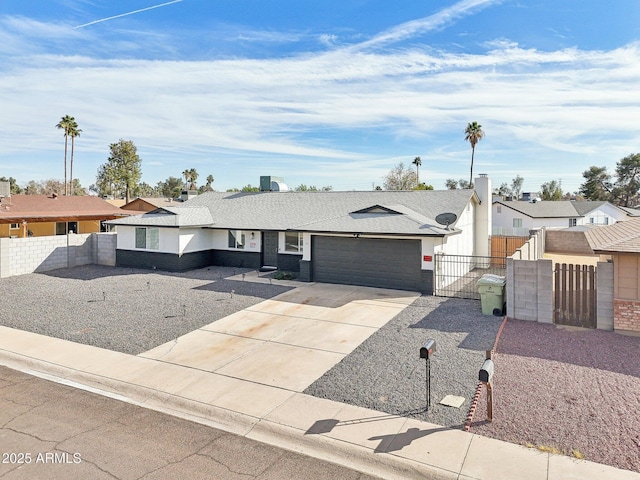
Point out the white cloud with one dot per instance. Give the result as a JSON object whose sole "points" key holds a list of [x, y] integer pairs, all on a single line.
{"points": [[377, 106]]}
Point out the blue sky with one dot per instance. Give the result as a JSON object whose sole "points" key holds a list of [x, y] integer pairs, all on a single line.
{"points": [[321, 93]]}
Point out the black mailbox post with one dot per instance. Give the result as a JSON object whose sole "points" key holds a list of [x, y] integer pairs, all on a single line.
{"points": [[485, 375], [426, 352], [428, 349], [486, 372]]}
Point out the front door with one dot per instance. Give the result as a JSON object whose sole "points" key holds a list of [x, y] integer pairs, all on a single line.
{"points": [[270, 249]]}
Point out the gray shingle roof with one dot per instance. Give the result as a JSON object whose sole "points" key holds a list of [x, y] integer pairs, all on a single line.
{"points": [[182, 216], [550, 209], [320, 211]]}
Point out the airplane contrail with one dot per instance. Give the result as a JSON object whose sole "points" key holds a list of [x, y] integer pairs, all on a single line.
{"points": [[128, 13]]}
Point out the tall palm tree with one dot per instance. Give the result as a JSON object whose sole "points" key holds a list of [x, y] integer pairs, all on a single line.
{"points": [[473, 134], [64, 124], [74, 132], [417, 162], [193, 175], [187, 175]]}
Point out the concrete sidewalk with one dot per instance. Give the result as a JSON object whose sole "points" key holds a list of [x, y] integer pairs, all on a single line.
{"points": [[245, 374]]}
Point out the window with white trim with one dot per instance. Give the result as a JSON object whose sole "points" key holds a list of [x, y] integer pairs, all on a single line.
{"points": [[236, 239], [517, 223], [573, 222], [148, 238], [15, 226], [498, 208], [293, 242]]}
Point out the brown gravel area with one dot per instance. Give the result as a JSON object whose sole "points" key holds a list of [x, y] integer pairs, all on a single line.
{"points": [[568, 389]]}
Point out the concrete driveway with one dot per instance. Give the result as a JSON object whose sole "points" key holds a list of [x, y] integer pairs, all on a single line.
{"points": [[288, 341]]}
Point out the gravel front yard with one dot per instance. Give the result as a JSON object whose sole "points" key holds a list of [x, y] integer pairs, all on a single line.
{"points": [[386, 374], [123, 309], [566, 389]]}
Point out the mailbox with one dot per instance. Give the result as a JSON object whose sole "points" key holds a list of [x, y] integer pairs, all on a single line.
{"points": [[428, 349], [486, 372]]}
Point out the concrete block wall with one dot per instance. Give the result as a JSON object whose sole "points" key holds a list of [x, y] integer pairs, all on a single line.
{"points": [[530, 290], [530, 295], [604, 287], [19, 256], [105, 249]]}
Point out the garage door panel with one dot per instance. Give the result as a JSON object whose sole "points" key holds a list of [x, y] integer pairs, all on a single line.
{"points": [[388, 263]]}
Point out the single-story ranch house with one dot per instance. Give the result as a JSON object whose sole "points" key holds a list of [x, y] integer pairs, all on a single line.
{"points": [[375, 238], [43, 215]]}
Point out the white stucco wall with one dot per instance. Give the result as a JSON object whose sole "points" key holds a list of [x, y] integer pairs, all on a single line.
{"points": [[220, 240], [194, 240], [169, 239]]}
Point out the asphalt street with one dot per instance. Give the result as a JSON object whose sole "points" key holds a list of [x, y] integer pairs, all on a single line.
{"points": [[53, 431]]}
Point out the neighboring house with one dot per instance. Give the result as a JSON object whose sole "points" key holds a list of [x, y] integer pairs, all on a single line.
{"points": [[42, 215], [148, 204], [518, 217], [622, 242], [376, 238]]}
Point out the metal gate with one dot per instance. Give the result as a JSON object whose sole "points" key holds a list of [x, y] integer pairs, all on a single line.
{"points": [[575, 295], [457, 275]]}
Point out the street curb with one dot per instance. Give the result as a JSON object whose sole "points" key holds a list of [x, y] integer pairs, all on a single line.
{"points": [[356, 457]]}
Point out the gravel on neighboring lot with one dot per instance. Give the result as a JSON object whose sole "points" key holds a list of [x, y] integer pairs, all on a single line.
{"points": [[386, 373], [123, 309], [572, 390]]}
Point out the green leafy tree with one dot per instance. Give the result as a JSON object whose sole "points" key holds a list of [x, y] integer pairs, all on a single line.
{"points": [[473, 134], [170, 188], [452, 184], [400, 178], [65, 124], [143, 189], [503, 190], [73, 132], [551, 190], [75, 188], [516, 187], [417, 162], [423, 186], [597, 185], [628, 175], [122, 170]]}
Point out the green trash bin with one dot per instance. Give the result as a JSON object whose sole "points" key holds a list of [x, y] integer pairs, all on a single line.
{"points": [[491, 289]]}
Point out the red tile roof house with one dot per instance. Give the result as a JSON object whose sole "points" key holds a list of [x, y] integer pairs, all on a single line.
{"points": [[622, 242], [43, 215]]}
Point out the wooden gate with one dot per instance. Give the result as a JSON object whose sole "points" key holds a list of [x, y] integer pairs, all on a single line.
{"points": [[574, 295], [504, 246]]}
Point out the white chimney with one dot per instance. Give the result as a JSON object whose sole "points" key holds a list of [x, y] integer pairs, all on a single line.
{"points": [[482, 186]]}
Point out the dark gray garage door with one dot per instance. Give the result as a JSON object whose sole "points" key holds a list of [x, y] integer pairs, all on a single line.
{"points": [[370, 262]]}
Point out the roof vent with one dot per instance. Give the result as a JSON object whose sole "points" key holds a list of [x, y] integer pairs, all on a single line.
{"points": [[272, 184]]}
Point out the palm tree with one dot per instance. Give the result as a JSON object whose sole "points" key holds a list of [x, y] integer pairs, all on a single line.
{"points": [[417, 162], [193, 175], [64, 123], [473, 134], [73, 132]]}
